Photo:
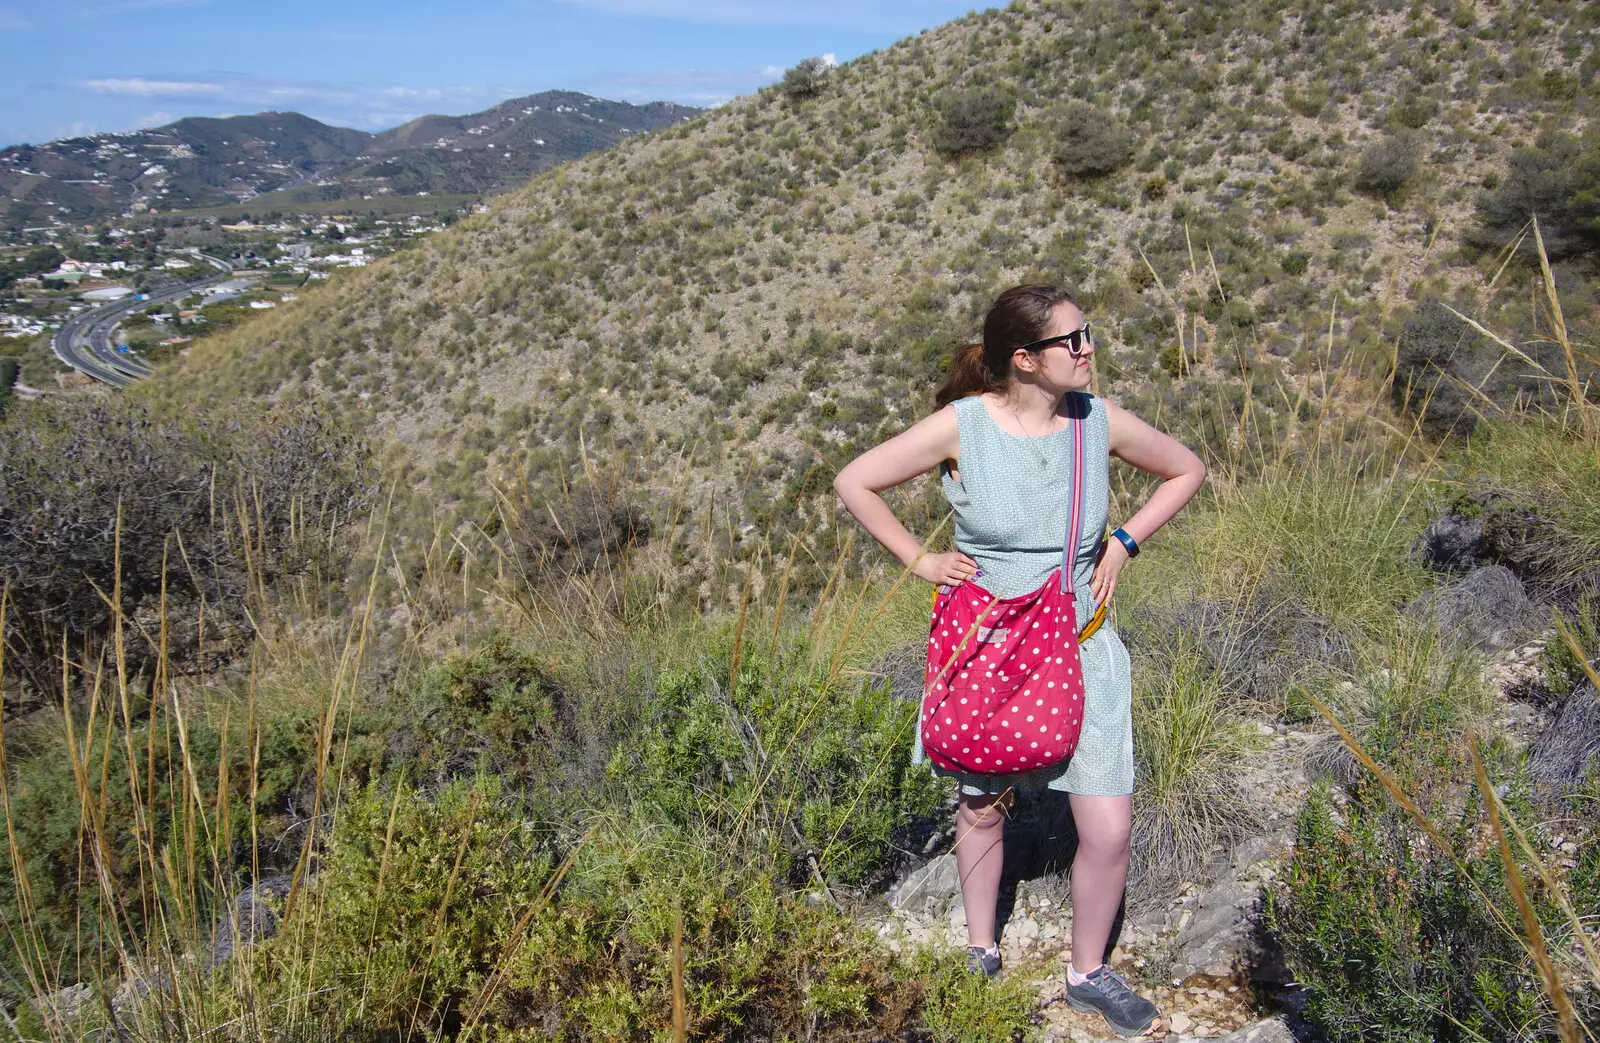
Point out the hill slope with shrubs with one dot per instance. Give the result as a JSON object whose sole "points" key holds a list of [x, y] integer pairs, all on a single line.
{"points": [[1248, 201], [510, 783]]}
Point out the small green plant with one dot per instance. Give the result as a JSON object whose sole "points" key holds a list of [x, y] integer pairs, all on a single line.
{"points": [[1561, 669], [961, 1007], [1391, 941]]}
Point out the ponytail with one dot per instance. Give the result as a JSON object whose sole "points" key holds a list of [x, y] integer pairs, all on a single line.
{"points": [[969, 375]]}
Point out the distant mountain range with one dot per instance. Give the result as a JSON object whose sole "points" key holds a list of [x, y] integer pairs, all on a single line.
{"points": [[204, 162]]}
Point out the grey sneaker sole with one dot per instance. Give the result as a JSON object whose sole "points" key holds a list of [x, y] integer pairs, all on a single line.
{"points": [[1124, 1031]]}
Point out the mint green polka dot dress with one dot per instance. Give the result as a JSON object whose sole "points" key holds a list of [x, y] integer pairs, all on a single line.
{"points": [[1011, 508]]}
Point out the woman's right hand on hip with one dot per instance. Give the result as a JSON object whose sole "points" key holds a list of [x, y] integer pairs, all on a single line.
{"points": [[952, 568]]}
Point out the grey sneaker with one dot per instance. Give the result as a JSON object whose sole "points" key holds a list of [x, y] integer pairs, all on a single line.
{"points": [[1105, 992], [983, 961]]}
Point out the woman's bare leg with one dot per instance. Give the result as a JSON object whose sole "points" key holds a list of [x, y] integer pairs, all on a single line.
{"points": [[1099, 874], [980, 834]]}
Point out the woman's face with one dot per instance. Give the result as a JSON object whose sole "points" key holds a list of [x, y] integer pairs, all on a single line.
{"points": [[1055, 367]]}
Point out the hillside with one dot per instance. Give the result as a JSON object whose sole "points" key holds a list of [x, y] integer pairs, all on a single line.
{"points": [[785, 276], [205, 162], [578, 722]]}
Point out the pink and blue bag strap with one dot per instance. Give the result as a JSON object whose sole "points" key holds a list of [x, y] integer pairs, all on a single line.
{"points": [[1069, 548]]}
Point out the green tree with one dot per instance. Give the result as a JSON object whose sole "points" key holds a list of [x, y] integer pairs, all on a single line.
{"points": [[1557, 179], [805, 79]]}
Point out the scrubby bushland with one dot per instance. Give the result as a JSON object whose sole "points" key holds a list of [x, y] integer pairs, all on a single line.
{"points": [[1410, 932], [445, 909], [576, 530], [1086, 141], [170, 516], [1399, 934], [713, 301], [972, 119], [1390, 163], [8, 377], [437, 892], [1557, 179], [1450, 376]]}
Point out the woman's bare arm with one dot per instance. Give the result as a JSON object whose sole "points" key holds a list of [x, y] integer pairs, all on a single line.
{"points": [[1154, 452], [915, 451]]}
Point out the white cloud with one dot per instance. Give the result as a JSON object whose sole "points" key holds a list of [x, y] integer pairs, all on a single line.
{"points": [[159, 118], [244, 92], [702, 87], [892, 16], [138, 86], [363, 105]]}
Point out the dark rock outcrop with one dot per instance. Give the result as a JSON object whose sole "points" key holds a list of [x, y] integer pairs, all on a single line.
{"points": [[1486, 608], [254, 917], [1569, 748]]}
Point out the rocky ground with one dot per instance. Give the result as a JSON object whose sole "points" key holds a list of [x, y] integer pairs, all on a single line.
{"points": [[1198, 956]]}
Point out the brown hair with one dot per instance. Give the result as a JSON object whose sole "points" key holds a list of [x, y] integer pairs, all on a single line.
{"points": [[1018, 316]]}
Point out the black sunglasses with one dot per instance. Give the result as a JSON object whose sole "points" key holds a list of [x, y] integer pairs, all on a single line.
{"points": [[1074, 341]]}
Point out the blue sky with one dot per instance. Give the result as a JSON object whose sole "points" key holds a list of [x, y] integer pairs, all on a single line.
{"points": [[84, 66]]}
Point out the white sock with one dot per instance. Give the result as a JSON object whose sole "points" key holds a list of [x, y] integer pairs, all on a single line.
{"points": [[1078, 979]]}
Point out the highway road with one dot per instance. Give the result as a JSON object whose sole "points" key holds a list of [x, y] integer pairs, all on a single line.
{"points": [[84, 341]]}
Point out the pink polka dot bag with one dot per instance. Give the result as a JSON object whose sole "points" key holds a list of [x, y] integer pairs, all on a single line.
{"points": [[1003, 691]]}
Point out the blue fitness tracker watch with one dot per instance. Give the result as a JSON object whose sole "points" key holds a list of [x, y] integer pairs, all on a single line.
{"points": [[1127, 541]]}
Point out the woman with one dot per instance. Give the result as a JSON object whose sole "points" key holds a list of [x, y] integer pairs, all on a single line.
{"points": [[1001, 437]]}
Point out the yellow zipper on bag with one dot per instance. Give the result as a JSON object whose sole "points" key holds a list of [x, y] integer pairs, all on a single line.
{"points": [[1084, 634]]}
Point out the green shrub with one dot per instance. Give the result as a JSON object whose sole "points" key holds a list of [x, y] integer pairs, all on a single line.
{"points": [[251, 497], [1436, 356], [432, 909], [805, 80], [1086, 141], [496, 708], [1415, 111], [961, 1007], [412, 926], [972, 119], [820, 769], [1562, 671], [1557, 179], [1389, 163], [1394, 941]]}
